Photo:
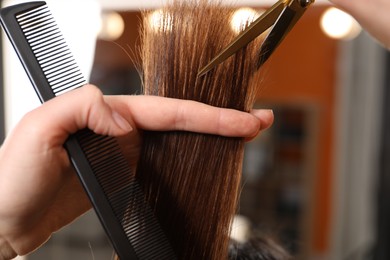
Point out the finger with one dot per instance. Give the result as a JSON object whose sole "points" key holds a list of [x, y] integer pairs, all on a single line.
{"points": [[266, 117], [165, 114], [81, 108]]}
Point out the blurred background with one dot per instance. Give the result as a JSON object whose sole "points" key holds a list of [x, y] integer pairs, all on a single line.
{"points": [[318, 181]]}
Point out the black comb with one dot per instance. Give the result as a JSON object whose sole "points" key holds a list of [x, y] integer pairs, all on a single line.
{"points": [[103, 170]]}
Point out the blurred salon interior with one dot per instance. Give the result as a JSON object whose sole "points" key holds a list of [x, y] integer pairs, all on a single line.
{"points": [[318, 179]]}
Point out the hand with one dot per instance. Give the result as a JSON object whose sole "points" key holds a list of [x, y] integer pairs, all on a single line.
{"points": [[373, 15], [40, 193]]}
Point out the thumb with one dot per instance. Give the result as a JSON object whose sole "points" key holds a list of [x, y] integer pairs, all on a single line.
{"points": [[81, 108]]}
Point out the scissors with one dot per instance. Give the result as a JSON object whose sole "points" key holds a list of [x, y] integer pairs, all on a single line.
{"points": [[282, 16]]}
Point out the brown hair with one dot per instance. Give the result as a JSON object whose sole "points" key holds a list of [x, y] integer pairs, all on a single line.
{"points": [[192, 180]]}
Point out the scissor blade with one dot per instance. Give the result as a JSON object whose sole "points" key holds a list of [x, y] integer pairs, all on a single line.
{"points": [[286, 21], [261, 24]]}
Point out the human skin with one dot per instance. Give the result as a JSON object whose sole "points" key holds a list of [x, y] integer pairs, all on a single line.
{"points": [[39, 191], [373, 15]]}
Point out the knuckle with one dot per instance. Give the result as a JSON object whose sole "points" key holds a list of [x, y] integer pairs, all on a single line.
{"points": [[29, 122], [93, 93]]}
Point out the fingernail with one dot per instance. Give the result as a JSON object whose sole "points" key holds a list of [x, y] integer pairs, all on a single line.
{"points": [[266, 117], [121, 122], [268, 121], [262, 112]]}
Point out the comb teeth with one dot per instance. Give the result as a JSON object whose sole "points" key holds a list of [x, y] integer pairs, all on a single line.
{"points": [[125, 197], [50, 49], [103, 170]]}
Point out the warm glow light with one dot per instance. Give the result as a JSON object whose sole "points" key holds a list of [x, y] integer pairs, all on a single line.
{"points": [[160, 21], [242, 17], [339, 25], [112, 26]]}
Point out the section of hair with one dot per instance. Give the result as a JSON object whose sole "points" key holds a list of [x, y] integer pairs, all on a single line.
{"points": [[192, 180]]}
